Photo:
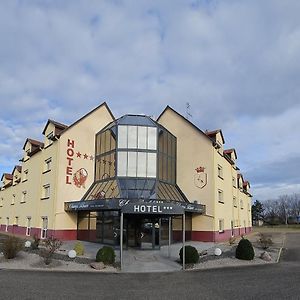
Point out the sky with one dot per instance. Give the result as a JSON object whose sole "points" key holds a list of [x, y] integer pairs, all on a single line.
{"points": [[237, 63]]}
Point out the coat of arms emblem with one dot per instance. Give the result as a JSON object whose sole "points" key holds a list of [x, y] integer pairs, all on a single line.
{"points": [[200, 178]]}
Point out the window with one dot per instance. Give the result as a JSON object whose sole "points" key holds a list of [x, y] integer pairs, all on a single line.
{"points": [[28, 228], [50, 138], [242, 204], [47, 164], [233, 182], [7, 224], [13, 199], [137, 137], [1, 201], [44, 227], [220, 171], [16, 221], [23, 197], [25, 175], [220, 196], [221, 225], [234, 201], [133, 164], [46, 191]]}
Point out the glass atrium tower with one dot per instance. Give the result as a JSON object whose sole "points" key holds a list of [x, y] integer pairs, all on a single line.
{"points": [[135, 171]]}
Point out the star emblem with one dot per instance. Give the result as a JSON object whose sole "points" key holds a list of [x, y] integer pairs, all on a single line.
{"points": [[85, 156], [91, 157], [78, 154]]}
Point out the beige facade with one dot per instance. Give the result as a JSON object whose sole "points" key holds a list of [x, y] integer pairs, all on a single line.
{"points": [[61, 169]]}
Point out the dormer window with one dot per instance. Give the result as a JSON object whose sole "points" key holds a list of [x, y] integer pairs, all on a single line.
{"points": [[50, 137]]}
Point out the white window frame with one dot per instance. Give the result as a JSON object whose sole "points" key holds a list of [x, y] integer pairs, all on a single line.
{"points": [[220, 193], [16, 221], [234, 201], [221, 226], [44, 227], [241, 204], [233, 181], [23, 197], [49, 140], [25, 175], [48, 163], [6, 224], [220, 171], [28, 227], [13, 199], [46, 191]]}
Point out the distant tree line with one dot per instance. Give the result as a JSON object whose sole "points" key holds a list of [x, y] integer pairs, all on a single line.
{"points": [[283, 210]]}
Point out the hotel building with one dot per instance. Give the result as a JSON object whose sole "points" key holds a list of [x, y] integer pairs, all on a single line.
{"points": [[151, 175]]}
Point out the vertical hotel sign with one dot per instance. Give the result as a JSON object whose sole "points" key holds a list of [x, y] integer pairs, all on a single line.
{"points": [[70, 155]]}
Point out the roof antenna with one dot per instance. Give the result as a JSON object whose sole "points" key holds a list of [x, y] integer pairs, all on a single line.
{"points": [[188, 114]]}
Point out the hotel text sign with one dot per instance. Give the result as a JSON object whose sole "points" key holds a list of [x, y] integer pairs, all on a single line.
{"points": [[151, 208]]}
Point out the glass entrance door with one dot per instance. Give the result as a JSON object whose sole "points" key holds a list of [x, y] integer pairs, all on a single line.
{"points": [[150, 231], [143, 233]]}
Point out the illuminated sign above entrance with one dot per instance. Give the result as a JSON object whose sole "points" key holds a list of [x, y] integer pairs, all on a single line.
{"points": [[153, 208]]}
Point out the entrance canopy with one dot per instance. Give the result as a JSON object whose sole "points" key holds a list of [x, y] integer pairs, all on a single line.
{"points": [[136, 206]]}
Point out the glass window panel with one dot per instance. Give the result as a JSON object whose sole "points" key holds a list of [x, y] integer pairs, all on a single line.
{"points": [[142, 137], [122, 136], [132, 156], [142, 164], [165, 142], [112, 140], [169, 144], [173, 145], [122, 163], [151, 165], [169, 178], [160, 141], [98, 144], [102, 142], [152, 140], [160, 166], [164, 177], [107, 141], [173, 174], [132, 137]]}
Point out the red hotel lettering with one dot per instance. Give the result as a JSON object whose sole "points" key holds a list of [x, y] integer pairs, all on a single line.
{"points": [[70, 153]]}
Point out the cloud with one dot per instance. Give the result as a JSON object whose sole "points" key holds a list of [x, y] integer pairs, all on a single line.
{"points": [[235, 62]]}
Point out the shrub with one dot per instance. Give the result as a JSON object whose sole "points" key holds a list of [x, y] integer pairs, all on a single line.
{"points": [[79, 248], [265, 241], [11, 246], [36, 242], [106, 254], [191, 255], [51, 245], [232, 240], [244, 250]]}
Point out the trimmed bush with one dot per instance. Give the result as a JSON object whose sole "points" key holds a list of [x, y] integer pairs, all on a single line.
{"points": [[11, 246], [191, 255], [244, 250], [106, 255], [79, 248]]}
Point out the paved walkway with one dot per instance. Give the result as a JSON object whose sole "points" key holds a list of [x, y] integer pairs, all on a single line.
{"points": [[135, 260]]}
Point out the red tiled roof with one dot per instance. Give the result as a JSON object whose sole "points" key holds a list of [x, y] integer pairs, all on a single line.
{"points": [[213, 133], [34, 143], [56, 124], [7, 176]]}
